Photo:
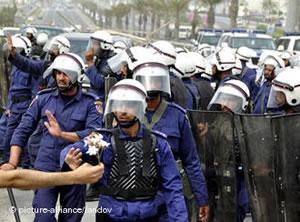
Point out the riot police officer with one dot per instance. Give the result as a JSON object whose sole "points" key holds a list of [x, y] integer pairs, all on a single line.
{"points": [[223, 65], [271, 67], [171, 120], [285, 92], [68, 115], [167, 52], [19, 96], [100, 49], [184, 69], [139, 165], [233, 97], [248, 75]]}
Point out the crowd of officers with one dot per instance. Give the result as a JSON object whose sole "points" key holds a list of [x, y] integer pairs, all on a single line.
{"points": [[126, 108]]}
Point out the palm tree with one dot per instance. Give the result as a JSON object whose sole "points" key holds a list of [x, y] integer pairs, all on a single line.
{"points": [[233, 12], [176, 6], [139, 6], [119, 11], [269, 6], [211, 12]]}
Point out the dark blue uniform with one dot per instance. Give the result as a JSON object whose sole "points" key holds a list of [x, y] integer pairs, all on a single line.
{"points": [[248, 77], [19, 98], [193, 96], [3, 120], [96, 74], [170, 188], [175, 125], [178, 91], [74, 114], [261, 100], [36, 68]]}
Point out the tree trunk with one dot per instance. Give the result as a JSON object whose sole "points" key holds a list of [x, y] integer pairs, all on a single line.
{"points": [[158, 24], [153, 17], [177, 23], [194, 24], [127, 22], [233, 12], [145, 19], [140, 24], [119, 23], [211, 16]]}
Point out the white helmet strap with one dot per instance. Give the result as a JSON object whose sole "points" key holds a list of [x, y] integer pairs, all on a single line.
{"points": [[239, 89], [161, 52]]}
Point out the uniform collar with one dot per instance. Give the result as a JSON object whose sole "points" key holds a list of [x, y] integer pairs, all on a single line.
{"points": [[77, 96], [139, 135]]}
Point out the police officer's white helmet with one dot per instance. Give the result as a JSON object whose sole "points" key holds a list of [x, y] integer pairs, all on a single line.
{"points": [[181, 50], [104, 38], [185, 66], [130, 56], [127, 96], [85, 81], [199, 61], [31, 30], [154, 74], [286, 55], [69, 63], [244, 53], [275, 61], [225, 59], [237, 70], [57, 43], [233, 94], [205, 50], [285, 88], [119, 46], [165, 50], [21, 43], [295, 60], [136, 54], [41, 39]]}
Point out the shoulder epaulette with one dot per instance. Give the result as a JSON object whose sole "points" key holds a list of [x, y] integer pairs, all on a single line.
{"points": [[177, 107], [157, 133]]}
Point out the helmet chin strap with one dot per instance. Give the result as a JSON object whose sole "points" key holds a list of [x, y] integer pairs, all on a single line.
{"points": [[127, 124], [68, 88]]}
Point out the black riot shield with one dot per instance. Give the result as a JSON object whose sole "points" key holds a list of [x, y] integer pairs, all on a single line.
{"points": [[287, 144], [214, 136], [258, 158]]}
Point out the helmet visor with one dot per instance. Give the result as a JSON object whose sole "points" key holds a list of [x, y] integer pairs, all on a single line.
{"points": [[154, 78], [134, 108], [276, 98], [117, 62], [227, 101]]}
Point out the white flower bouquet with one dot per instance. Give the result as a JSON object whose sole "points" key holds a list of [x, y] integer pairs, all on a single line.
{"points": [[95, 144]]}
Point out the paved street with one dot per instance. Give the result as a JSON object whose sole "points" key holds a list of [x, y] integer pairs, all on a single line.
{"points": [[24, 199]]}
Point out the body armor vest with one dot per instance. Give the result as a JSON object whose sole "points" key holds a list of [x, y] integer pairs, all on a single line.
{"points": [[134, 173]]}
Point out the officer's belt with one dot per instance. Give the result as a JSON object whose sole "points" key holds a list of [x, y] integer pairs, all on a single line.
{"points": [[19, 99], [129, 195]]}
